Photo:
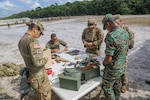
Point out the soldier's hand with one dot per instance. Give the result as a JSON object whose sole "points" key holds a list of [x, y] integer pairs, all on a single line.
{"points": [[57, 50], [90, 44], [85, 43], [65, 49]]}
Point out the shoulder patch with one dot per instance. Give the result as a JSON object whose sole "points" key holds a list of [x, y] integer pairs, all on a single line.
{"points": [[36, 46]]}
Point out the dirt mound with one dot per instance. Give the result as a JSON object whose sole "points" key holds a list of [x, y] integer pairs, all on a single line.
{"points": [[9, 69]]}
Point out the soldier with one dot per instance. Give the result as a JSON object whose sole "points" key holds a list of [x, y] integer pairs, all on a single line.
{"points": [[33, 57], [92, 38], [125, 27], [8, 25], [124, 78], [117, 43], [54, 44]]}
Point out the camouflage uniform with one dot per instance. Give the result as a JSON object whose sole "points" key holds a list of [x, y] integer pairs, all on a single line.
{"points": [[117, 43], [55, 45], [116, 46], [131, 35], [33, 57], [130, 32], [96, 37], [124, 79]]}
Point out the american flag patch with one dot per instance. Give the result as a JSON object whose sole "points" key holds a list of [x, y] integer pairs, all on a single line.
{"points": [[36, 46]]}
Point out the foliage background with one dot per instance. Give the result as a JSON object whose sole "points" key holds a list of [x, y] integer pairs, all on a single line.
{"points": [[86, 7]]}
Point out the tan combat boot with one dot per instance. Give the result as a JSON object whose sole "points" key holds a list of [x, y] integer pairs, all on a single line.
{"points": [[123, 88]]}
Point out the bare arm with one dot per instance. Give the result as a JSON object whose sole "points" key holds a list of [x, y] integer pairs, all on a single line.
{"points": [[107, 60], [55, 50]]}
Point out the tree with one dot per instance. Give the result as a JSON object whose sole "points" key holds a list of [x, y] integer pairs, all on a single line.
{"points": [[86, 7]]}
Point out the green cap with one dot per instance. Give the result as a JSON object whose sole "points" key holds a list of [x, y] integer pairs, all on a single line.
{"points": [[107, 18], [41, 27]]}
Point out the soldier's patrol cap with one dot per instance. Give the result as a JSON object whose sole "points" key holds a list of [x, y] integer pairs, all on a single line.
{"points": [[40, 26], [91, 22], [108, 17], [117, 16]]}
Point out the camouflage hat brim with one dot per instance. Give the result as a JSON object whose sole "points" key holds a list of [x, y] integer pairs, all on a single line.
{"points": [[42, 33], [104, 27], [117, 16], [91, 24], [107, 18], [40, 27]]}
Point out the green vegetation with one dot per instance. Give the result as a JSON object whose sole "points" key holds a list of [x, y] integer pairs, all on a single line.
{"points": [[93, 7]]}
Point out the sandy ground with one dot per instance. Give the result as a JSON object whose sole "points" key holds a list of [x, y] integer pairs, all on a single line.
{"points": [[71, 30]]}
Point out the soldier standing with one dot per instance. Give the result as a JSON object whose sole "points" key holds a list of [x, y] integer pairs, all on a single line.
{"points": [[8, 25], [125, 27], [117, 43], [33, 57], [92, 38], [54, 44], [124, 78]]}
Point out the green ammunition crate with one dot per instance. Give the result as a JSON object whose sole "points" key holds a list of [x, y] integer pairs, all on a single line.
{"points": [[92, 73], [70, 82]]}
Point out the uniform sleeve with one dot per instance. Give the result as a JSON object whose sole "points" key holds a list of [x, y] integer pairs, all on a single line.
{"points": [[131, 35], [37, 54], [110, 45], [100, 37], [63, 43], [48, 45], [83, 35]]}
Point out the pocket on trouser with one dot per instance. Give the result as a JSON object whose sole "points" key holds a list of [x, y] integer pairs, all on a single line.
{"points": [[107, 86], [34, 83], [93, 51], [98, 52], [45, 90]]}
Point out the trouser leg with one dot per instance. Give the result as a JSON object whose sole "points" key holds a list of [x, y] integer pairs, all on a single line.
{"points": [[117, 86], [124, 79], [107, 87], [42, 87]]}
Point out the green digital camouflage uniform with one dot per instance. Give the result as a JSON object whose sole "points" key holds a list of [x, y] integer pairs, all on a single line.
{"points": [[96, 37], [55, 45], [124, 78], [117, 43], [33, 57]]}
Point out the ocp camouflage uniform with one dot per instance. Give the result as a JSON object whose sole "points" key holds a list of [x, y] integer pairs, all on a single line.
{"points": [[55, 45], [33, 56], [117, 43], [131, 35], [124, 79], [96, 37]]}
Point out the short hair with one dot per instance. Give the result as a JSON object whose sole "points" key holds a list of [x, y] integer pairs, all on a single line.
{"points": [[53, 35]]}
